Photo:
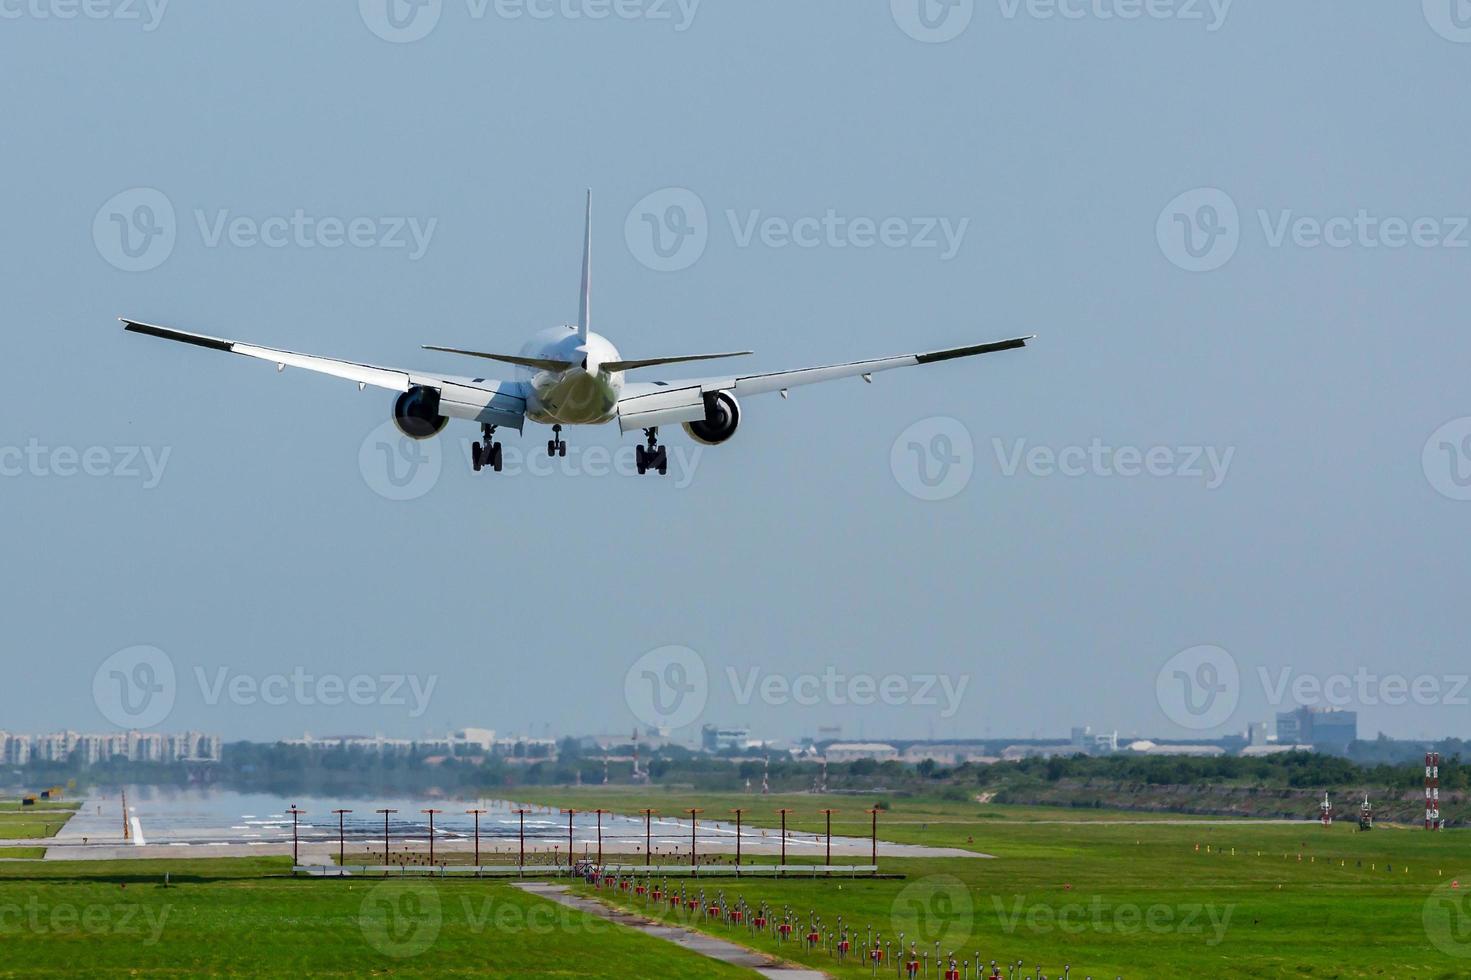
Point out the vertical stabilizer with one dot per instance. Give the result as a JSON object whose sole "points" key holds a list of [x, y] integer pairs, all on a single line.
{"points": [[584, 313]]}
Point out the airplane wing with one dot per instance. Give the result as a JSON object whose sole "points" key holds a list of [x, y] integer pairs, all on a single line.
{"points": [[664, 403], [478, 399]]}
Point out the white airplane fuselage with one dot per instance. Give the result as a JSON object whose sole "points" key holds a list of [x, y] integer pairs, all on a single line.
{"points": [[584, 394]]}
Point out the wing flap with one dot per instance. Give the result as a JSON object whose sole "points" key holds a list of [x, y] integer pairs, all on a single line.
{"points": [[653, 405]]}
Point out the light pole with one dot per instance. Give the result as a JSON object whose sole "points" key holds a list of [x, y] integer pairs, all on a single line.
{"points": [[477, 838], [874, 838], [600, 811], [341, 845], [828, 860], [295, 858], [385, 838], [431, 833], [570, 815], [694, 813], [738, 811], [647, 815], [521, 865], [784, 811]]}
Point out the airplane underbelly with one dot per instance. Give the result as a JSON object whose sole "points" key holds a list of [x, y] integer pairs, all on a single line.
{"points": [[572, 398]]}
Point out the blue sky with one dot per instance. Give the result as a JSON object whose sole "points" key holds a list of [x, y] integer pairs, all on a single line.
{"points": [[342, 186]]}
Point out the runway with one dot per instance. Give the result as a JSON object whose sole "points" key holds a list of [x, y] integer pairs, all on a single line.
{"points": [[200, 824]]}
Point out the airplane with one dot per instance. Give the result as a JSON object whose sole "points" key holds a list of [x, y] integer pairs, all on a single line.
{"points": [[569, 375]]}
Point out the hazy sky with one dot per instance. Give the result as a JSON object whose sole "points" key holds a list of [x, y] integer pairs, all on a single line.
{"points": [[329, 178]]}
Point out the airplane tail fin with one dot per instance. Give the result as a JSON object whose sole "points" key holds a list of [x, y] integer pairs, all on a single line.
{"points": [[584, 313]]}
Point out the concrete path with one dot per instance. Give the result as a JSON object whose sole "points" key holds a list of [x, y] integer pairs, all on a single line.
{"points": [[716, 949]]}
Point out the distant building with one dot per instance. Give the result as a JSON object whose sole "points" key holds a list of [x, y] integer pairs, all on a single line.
{"points": [[715, 739], [1085, 740], [1146, 747], [854, 751], [946, 755], [91, 748], [1256, 733], [1327, 729], [1272, 748], [1015, 753], [15, 750], [482, 739]]}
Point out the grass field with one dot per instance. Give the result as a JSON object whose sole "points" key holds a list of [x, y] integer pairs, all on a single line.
{"points": [[22, 853], [15, 806], [44, 819], [1115, 899], [1162, 899], [249, 917]]}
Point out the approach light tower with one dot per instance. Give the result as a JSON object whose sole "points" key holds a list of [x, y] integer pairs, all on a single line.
{"points": [[1325, 810], [1366, 814], [1432, 791]]}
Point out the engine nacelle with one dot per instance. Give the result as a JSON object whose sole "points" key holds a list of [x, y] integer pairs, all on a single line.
{"points": [[722, 418], [416, 413]]}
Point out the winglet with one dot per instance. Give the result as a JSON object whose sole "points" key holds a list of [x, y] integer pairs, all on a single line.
{"points": [[584, 313]]}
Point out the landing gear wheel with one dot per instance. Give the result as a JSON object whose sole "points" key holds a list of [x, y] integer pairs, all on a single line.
{"points": [[555, 445], [561, 449], [487, 452], [654, 457]]}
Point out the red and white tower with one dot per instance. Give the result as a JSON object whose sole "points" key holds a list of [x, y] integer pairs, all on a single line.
{"points": [[1325, 810], [1432, 791]]}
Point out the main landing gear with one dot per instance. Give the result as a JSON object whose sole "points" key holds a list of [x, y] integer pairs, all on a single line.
{"points": [[488, 454], [555, 445], [655, 457]]}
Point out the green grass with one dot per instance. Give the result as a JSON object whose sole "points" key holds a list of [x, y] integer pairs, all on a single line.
{"points": [[247, 917], [22, 853], [27, 827], [1134, 901], [15, 806], [45, 819]]}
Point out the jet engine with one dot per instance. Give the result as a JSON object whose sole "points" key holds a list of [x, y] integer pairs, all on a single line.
{"points": [[416, 413], [722, 417]]}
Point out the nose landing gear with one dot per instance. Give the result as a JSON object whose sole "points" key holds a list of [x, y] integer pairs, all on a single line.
{"points": [[655, 457], [487, 454], [555, 445]]}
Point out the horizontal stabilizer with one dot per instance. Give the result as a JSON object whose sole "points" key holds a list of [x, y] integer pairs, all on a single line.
{"points": [[655, 361], [540, 363]]}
